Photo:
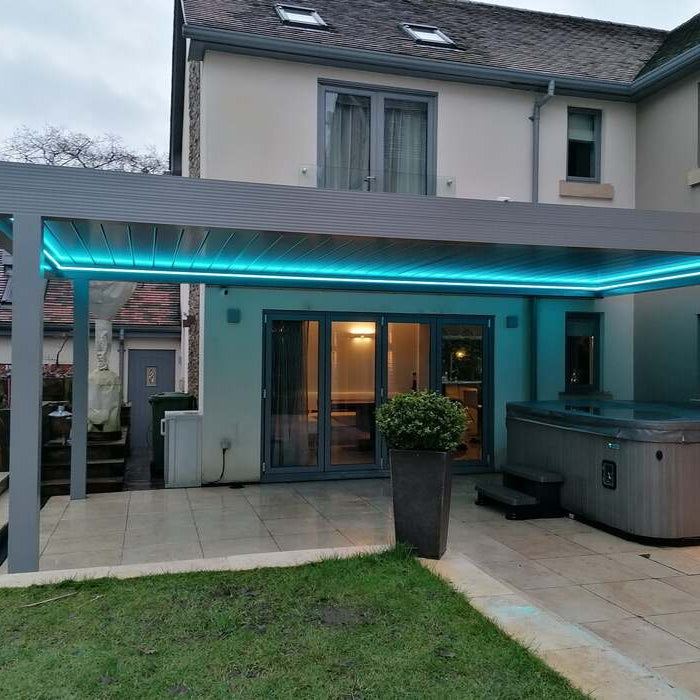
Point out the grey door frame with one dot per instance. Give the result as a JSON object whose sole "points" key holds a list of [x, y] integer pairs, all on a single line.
{"points": [[324, 469]]}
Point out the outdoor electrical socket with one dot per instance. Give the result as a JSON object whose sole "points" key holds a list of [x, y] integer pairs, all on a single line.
{"points": [[225, 444]]}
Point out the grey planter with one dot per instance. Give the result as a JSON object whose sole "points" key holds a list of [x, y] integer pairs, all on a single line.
{"points": [[422, 486]]}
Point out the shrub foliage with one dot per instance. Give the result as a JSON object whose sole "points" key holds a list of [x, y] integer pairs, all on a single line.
{"points": [[421, 420]]}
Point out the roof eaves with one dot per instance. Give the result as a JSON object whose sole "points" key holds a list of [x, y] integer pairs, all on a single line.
{"points": [[674, 69], [206, 38]]}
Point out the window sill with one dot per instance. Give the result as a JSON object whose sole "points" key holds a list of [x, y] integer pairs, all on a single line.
{"points": [[693, 177], [586, 190]]}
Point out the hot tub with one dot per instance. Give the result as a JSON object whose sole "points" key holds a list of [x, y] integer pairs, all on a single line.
{"points": [[634, 467]]}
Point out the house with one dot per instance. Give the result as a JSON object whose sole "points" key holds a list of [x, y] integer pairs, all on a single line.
{"points": [[446, 98], [146, 333], [494, 203]]}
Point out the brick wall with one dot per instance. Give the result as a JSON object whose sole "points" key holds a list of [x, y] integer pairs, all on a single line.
{"points": [[195, 70]]}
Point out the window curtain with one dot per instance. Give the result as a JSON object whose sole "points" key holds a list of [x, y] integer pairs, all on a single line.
{"points": [[292, 433], [405, 146], [347, 157]]}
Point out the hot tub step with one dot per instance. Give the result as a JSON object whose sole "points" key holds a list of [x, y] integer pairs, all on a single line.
{"points": [[538, 483], [518, 505], [540, 476]]}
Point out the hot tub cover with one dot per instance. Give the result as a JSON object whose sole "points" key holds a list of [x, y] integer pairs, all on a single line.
{"points": [[622, 420]]}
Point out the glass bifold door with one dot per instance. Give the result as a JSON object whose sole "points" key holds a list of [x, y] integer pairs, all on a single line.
{"points": [[326, 374]]}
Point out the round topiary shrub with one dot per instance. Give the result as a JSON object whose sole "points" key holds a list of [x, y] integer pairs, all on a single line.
{"points": [[422, 420]]}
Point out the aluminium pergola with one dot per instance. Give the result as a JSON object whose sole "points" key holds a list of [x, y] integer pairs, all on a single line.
{"points": [[85, 225]]}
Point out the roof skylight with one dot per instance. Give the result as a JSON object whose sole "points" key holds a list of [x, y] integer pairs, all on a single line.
{"points": [[426, 34], [300, 16]]}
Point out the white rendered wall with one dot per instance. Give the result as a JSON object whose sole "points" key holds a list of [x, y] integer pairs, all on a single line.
{"points": [[666, 323], [667, 147], [52, 343], [259, 124], [232, 357]]}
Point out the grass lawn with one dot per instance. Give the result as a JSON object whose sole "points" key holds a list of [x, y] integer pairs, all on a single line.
{"points": [[377, 626]]}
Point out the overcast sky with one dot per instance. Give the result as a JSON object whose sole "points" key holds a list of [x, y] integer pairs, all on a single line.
{"points": [[104, 65]]}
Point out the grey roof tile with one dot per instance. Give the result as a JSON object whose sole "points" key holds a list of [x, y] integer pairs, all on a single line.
{"points": [[679, 40], [487, 35]]}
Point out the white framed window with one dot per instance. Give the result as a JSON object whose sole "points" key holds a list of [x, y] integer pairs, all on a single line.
{"points": [[426, 34], [300, 16]]}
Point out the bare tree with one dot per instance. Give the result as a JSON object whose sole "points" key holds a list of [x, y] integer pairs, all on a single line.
{"points": [[56, 145]]}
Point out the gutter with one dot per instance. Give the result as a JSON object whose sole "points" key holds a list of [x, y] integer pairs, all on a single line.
{"points": [[540, 102], [204, 38], [670, 71]]}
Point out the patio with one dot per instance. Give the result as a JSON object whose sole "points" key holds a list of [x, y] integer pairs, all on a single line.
{"points": [[644, 601]]}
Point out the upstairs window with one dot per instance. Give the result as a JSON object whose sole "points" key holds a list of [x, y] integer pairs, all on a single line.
{"points": [[425, 34], [582, 353], [376, 141], [300, 16], [583, 151]]}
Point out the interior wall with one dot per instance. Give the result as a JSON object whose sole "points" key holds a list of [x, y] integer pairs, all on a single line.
{"points": [[353, 346]]}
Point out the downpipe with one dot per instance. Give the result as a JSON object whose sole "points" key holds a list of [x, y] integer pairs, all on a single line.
{"points": [[540, 102]]}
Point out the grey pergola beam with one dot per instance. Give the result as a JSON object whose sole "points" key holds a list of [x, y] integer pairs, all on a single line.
{"points": [[27, 381], [77, 193], [81, 335]]}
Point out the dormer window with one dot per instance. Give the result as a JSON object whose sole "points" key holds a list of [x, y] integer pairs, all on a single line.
{"points": [[425, 34], [297, 16]]}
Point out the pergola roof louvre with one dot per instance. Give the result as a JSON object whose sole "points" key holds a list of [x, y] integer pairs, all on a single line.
{"points": [[123, 226]]}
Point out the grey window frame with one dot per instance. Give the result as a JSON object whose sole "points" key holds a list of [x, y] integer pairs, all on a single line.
{"points": [[597, 385], [377, 95], [597, 143]]}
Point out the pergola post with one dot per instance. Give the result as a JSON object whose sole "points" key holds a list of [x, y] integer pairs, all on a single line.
{"points": [[27, 384], [81, 335]]}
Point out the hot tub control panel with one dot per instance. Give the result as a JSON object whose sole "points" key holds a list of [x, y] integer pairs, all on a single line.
{"points": [[609, 474]]}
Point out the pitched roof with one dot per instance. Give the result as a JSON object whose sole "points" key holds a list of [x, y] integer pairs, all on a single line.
{"points": [[682, 38], [150, 306], [487, 35]]}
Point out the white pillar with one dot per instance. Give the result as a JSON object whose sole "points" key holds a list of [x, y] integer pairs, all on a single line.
{"points": [[27, 384], [81, 335]]}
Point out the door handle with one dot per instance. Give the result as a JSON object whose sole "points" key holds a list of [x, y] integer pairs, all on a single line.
{"points": [[162, 427]]}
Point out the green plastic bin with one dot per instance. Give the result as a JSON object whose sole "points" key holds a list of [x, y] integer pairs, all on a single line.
{"points": [[160, 403]]}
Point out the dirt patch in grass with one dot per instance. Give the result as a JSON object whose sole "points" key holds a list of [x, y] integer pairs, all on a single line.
{"points": [[341, 615]]}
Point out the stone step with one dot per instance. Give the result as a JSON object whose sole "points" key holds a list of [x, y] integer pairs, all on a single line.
{"points": [[61, 487], [509, 497], [55, 452], [95, 468], [540, 476]]}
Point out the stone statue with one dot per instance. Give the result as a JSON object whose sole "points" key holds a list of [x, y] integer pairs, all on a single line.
{"points": [[104, 386]]}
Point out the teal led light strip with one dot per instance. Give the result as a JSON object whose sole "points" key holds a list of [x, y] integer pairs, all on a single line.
{"points": [[340, 279], [313, 278], [648, 280]]}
